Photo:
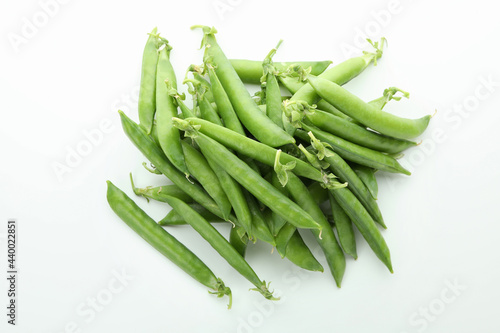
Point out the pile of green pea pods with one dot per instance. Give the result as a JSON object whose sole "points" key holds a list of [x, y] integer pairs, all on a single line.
{"points": [[268, 164]]}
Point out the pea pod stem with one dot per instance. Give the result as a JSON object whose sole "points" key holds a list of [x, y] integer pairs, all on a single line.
{"points": [[157, 193]]}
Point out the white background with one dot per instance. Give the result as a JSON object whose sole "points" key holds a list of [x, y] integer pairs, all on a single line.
{"points": [[82, 63]]}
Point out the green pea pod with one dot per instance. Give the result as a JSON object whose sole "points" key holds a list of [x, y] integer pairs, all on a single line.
{"points": [[367, 176], [201, 170], [221, 245], [163, 242], [147, 92], [250, 71], [356, 108], [345, 231], [168, 136], [299, 253], [364, 223], [247, 110], [325, 238], [174, 218], [355, 153]]}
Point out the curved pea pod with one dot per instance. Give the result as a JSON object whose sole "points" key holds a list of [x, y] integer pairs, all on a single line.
{"points": [[355, 153], [250, 71], [247, 110], [221, 245], [364, 223], [356, 108], [299, 253], [163, 242]]}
